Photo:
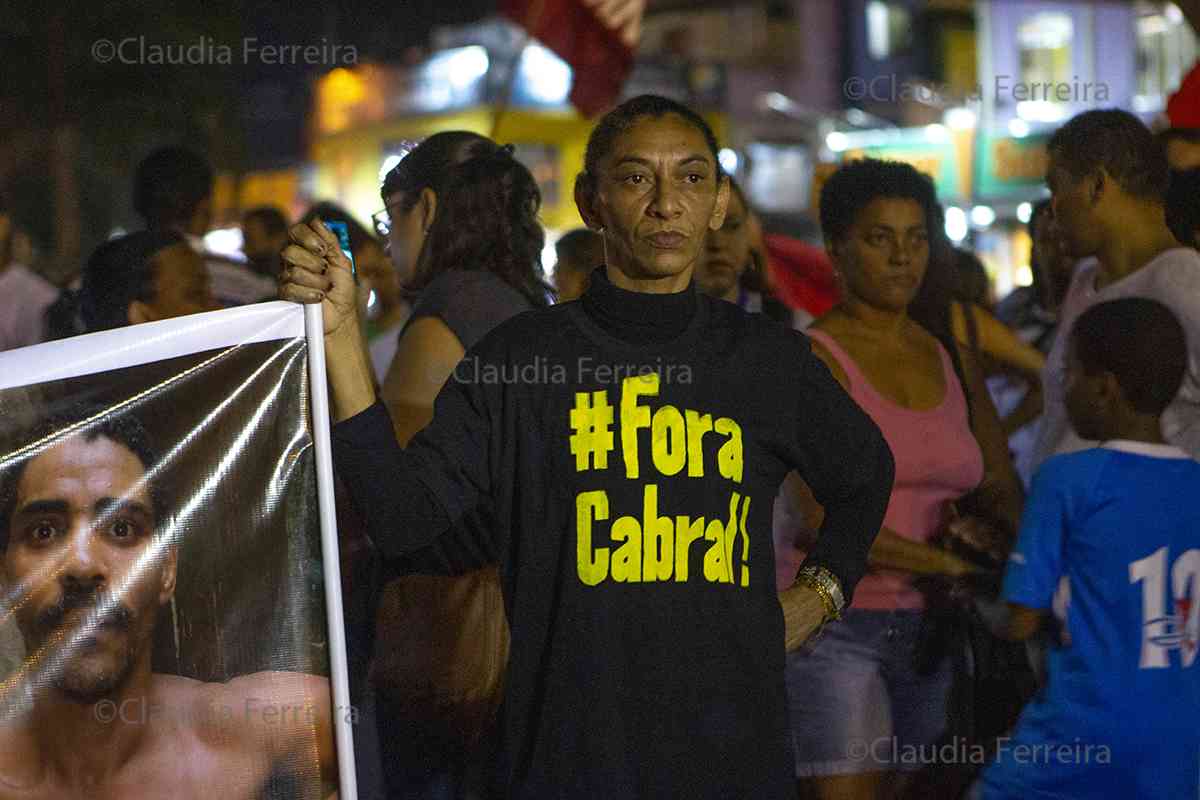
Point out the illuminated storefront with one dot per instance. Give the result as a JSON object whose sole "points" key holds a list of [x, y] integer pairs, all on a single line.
{"points": [[366, 118], [987, 182]]}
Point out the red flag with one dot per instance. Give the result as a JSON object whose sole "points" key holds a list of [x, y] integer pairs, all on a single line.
{"points": [[1183, 107], [802, 274], [596, 37]]}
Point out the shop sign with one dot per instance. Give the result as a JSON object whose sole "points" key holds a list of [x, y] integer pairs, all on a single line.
{"points": [[1007, 165]]}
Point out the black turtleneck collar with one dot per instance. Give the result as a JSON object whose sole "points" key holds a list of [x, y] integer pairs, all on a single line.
{"points": [[638, 317]]}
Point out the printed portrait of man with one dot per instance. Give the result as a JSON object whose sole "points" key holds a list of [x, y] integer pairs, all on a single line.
{"points": [[89, 560]]}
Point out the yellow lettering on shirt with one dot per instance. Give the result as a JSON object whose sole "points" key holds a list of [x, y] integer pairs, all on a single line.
{"points": [[634, 416], [668, 440], [656, 545], [697, 425], [729, 457], [593, 566], [686, 531], [745, 542], [659, 534], [627, 560]]}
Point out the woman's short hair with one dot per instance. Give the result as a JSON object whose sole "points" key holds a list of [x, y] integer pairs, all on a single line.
{"points": [[856, 184], [625, 116]]}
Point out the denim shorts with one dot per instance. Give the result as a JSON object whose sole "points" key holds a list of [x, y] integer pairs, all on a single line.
{"points": [[857, 702]]}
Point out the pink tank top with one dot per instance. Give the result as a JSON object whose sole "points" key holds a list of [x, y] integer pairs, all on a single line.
{"points": [[937, 461]]}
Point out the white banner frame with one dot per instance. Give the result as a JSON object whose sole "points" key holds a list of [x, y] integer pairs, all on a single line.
{"points": [[343, 714], [158, 341]]}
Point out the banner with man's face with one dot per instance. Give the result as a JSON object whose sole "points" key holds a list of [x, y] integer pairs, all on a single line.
{"points": [[162, 609]]}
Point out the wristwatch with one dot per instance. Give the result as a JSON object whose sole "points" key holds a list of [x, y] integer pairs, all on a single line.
{"points": [[827, 587]]}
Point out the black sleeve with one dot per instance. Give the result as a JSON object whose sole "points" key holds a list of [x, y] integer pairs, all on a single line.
{"points": [[842, 456], [409, 496]]}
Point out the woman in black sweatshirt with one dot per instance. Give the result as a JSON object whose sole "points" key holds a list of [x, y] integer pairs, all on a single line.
{"points": [[631, 445]]}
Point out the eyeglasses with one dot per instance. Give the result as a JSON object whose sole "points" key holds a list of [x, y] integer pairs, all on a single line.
{"points": [[383, 222]]}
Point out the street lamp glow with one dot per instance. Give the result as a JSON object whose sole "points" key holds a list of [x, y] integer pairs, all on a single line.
{"points": [[547, 76], [466, 66], [982, 216], [778, 102], [225, 242], [549, 257], [1024, 212], [388, 165], [728, 159], [1041, 111], [837, 141], [960, 119], [956, 223]]}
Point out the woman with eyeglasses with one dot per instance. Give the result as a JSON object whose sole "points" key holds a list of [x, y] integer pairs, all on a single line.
{"points": [[480, 272], [462, 232]]}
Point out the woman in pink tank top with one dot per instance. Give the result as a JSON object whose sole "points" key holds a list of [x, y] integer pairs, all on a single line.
{"points": [[859, 701]]}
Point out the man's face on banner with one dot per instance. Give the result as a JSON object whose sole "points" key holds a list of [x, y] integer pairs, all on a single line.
{"points": [[82, 562]]}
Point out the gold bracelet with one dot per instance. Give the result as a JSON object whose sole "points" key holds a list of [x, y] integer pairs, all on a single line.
{"points": [[827, 588], [808, 582], [832, 585]]}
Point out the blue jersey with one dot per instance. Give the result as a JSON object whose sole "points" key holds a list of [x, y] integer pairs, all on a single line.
{"points": [[1110, 542]]}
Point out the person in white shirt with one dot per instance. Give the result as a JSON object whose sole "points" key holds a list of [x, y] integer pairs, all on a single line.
{"points": [[1108, 178], [24, 295]]}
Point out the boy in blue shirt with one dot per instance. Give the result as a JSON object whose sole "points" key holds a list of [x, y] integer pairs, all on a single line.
{"points": [[1109, 550]]}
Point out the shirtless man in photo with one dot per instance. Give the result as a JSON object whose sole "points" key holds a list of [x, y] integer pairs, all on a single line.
{"points": [[86, 562]]}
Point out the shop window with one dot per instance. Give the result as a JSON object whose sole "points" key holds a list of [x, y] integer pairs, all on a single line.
{"points": [[889, 29], [779, 176], [1166, 49], [1045, 42]]}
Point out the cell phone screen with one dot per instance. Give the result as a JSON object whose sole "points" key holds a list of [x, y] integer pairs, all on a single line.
{"points": [[343, 235]]}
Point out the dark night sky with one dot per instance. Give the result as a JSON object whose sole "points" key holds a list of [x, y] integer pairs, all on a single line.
{"points": [[245, 116], [274, 96]]}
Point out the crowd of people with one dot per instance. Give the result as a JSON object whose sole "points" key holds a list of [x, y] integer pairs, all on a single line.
{"points": [[973, 506]]}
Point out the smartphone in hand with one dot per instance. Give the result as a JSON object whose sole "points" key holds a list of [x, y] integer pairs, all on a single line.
{"points": [[342, 233]]}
